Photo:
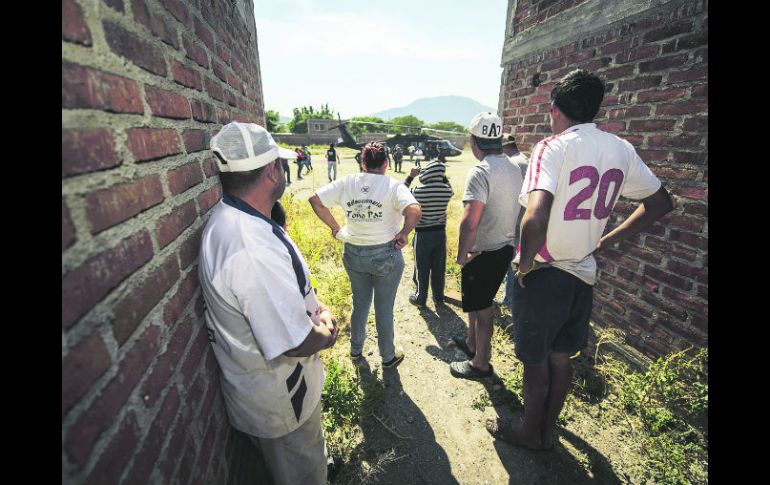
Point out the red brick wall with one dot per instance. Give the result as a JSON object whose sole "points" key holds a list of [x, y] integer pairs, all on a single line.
{"points": [[532, 12], [145, 83], [655, 285]]}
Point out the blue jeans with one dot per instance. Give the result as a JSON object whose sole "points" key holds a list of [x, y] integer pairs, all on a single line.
{"points": [[332, 166], [429, 262], [510, 283], [373, 270]]}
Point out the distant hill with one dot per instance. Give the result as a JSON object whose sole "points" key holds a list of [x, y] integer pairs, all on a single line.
{"points": [[440, 108]]}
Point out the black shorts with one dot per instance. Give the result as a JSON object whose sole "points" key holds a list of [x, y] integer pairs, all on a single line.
{"points": [[551, 314], [481, 278]]}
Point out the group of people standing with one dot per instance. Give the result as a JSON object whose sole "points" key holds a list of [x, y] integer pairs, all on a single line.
{"points": [[547, 217]]}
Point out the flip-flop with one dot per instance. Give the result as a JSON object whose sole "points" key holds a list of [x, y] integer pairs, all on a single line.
{"points": [[464, 370], [497, 428], [463, 345]]}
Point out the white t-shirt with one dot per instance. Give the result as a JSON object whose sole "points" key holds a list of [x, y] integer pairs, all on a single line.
{"points": [[373, 206], [254, 313], [585, 169]]}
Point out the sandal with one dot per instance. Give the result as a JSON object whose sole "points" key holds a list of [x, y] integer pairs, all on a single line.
{"points": [[463, 345], [464, 370]]}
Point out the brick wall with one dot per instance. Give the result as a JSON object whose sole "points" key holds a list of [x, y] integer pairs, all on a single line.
{"points": [[532, 12], [655, 63], [145, 83]]}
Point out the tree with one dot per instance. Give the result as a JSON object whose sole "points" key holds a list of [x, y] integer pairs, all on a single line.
{"points": [[356, 129], [273, 121], [408, 120], [448, 126], [298, 123]]}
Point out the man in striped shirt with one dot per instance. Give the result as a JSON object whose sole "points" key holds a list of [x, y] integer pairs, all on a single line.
{"points": [[429, 242]]}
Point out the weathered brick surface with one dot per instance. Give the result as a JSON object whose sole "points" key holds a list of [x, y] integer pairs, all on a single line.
{"points": [[184, 177], [172, 225], [87, 88], [139, 104], [68, 236], [88, 361], [87, 150], [130, 311], [73, 27], [134, 48], [655, 67], [86, 285], [149, 144], [196, 140], [108, 207], [167, 104]]}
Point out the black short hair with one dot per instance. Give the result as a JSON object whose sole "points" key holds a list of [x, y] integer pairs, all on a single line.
{"points": [[237, 183], [579, 95], [373, 155]]}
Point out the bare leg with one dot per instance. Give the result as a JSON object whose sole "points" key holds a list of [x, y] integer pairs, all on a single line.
{"points": [[560, 368], [482, 339], [527, 434], [471, 339]]}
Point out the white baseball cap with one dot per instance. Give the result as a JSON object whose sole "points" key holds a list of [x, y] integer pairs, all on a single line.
{"points": [[488, 130], [246, 146]]}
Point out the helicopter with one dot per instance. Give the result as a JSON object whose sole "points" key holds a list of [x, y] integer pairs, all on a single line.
{"points": [[431, 146]]}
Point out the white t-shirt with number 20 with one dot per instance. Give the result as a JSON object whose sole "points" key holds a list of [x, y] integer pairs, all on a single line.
{"points": [[586, 169]]}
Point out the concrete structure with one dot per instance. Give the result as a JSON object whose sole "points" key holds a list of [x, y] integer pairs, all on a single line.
{"points": [[653, 55], [145, 83]]}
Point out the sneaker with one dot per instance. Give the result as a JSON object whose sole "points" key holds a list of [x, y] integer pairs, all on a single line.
{"points": [[415, 301], [356, 357], [394, 361]]}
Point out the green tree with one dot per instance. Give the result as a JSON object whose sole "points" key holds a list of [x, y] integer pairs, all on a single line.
{"points": [[448, 126], [356, 129], [273, 121], [408, 120], [298, 123]]}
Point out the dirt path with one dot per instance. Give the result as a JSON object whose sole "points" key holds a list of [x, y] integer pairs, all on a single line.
{"points": [[430, 427]]}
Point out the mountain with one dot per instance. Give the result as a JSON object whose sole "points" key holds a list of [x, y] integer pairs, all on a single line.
{"points": [[440, 108]]}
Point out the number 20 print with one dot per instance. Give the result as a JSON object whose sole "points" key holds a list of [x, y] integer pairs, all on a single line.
{"points": [[603, 207]]}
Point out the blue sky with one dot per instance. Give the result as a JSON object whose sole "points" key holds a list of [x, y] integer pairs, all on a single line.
{"points": [[367, 56]]}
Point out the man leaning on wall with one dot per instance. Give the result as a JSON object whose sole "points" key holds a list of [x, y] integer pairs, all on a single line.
{"points": [[263, 319]]}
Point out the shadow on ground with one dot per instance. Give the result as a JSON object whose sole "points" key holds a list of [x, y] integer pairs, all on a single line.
{"points": [[399, 445]]}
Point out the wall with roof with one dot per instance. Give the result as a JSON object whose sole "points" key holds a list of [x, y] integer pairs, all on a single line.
{"points": [[145, 83], [653, 55]]}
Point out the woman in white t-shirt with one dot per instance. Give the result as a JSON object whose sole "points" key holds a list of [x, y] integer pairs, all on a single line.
{"points": [[374, 206]]}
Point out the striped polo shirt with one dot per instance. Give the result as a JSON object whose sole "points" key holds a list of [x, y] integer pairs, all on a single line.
{"points": [[433, 196]]}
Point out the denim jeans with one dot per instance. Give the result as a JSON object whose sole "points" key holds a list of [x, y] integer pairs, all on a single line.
{"points": [[332, 166], [430, 262], [373, 270], [510, 283]]}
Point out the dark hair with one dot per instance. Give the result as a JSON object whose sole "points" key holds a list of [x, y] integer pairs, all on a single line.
{"points": [[331, 145], [238, 182], [578, 95], [278, 214], [373, 155]]}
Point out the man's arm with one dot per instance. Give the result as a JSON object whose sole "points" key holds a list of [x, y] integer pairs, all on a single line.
{"points": [[412, 174], [469, 226], [412, 214], [534, 225], [324, 214], [650, 210], [320, 337]]}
